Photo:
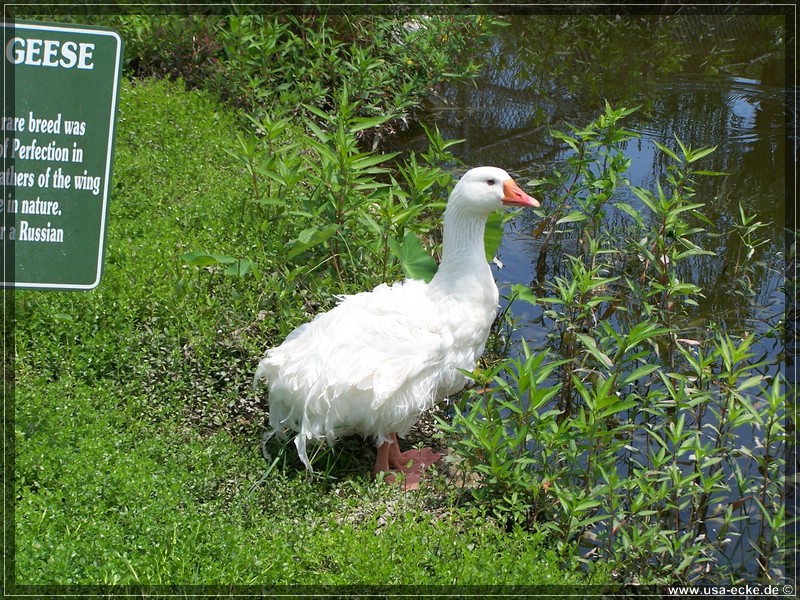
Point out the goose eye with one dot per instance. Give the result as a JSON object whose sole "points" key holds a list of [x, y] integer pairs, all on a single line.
{"points": [[490, 181]]}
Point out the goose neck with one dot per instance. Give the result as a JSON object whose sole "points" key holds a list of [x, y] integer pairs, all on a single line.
{"points": [[462, 243]]}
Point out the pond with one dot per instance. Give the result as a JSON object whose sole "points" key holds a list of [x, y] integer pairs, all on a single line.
{"points": [[504, 121], [544, 72]]}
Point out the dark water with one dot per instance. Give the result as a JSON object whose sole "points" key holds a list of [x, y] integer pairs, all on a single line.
{"points": [[504, 120], [738, 106]]}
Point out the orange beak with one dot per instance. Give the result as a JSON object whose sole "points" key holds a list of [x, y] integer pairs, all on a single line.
{"points": [[514, 196]]}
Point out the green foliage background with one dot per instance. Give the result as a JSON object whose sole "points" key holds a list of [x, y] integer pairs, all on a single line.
{"points": [[249, 189]]}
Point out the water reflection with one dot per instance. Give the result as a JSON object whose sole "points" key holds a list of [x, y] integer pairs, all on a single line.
{"points": [[504, 120], [522, 93]]}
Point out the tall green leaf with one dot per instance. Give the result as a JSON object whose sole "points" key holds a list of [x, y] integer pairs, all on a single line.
{"points": [[416, 262]]}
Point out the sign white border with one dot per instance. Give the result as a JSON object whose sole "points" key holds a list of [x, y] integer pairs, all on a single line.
{"points": [[109, 153]]}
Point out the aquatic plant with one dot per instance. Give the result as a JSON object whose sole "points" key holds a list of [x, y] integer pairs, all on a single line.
{"points": [[631, 433]]}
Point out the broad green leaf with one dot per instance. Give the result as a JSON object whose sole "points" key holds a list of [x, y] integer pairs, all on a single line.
{"points": [[591, 346], [370, 222], [199, 259], [668, 152], [493, 235], [587, 504], [309, 238], [416, 262], [240, 267], [646, 196], [370, 122], [369, 160], [683, 147], [572, 217], [321, 135], [628, 209], [639, 372], [223, 259], [319, 112], [524, 293], [234, 266], [572, 142], [617, 407], [686, 207], [271, 201], [750, 382], [699, 153]]}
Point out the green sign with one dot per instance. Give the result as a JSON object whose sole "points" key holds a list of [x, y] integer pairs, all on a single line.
{"points": [[61, 90]]}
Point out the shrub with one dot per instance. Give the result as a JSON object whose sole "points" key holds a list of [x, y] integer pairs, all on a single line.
{"points": [[263, 63], [633, 436]]}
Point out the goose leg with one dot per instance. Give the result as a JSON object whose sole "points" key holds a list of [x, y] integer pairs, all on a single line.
{"points": [[410, 480], [411, 460], [382, 460], [411, 463]]}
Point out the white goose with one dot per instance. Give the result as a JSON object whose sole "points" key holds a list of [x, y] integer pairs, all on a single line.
{"points": [[376, 361]]}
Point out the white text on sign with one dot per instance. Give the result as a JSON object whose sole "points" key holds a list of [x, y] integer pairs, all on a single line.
{"points": [[49, 53]]}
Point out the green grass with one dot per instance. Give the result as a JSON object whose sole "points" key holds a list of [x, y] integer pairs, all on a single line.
{"points": [[106, 499], [137, 438]]}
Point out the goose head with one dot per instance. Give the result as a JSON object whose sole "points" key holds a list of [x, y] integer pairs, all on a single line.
{"points": [[484, 189]]}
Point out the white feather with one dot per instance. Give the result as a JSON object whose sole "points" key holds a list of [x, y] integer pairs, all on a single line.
{"points": [[376, 361]]}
